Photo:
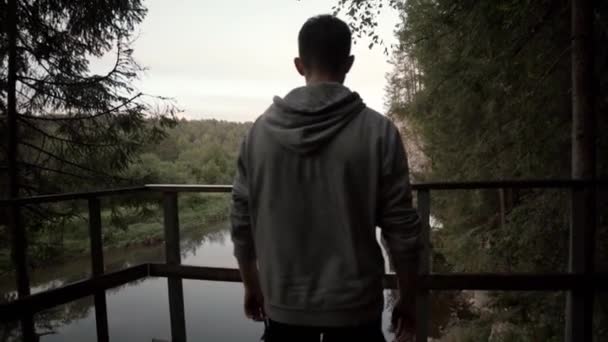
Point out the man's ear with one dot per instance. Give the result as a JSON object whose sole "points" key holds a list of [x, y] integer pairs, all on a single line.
{"points": [[299, 65], [349, 64]]}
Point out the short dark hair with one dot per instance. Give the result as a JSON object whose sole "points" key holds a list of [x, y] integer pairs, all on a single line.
{"points": [[324, 43]]}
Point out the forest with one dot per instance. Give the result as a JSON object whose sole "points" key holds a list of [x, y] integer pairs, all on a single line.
{"points": [[191, 152], [482, 90]]}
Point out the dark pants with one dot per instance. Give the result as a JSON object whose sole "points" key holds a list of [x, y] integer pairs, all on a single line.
{"points": [[280, 332]]}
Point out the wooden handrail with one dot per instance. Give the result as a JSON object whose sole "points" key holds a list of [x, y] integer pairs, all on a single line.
{"points": [[69, 196], [437, 282], [189, 188], [472, 185], [67, 293], [175, 272], [515, 183]]}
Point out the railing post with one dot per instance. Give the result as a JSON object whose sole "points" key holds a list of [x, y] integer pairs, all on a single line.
{"points": [[173, 257], [97, 269], [19, 257], [424, 268], [579, 302]]}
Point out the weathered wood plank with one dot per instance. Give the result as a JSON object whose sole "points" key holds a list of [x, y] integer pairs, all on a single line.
{"points": [[173, 257], [512, 184], [61, 295], [189, 188], [580, 302], [515, 184], [515, 282], [424, 267], [97, 268], [435, 282], [70, 196]]}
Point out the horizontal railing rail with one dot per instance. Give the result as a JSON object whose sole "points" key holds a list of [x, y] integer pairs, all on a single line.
{"points": [[50, 298], [473, 185], [70, 196], [439, 282], [579, 284], [512, 184]]}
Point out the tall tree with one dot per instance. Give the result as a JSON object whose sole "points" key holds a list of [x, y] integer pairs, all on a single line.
{"points": [[75, 127], [495, 102], [67, 127]]}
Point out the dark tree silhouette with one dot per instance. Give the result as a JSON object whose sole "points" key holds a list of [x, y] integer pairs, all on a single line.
{"points": [[75, 129], [65, 127]]}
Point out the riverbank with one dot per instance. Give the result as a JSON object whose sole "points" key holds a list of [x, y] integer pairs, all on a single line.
{"points": [[145, 298], [71, 240]]}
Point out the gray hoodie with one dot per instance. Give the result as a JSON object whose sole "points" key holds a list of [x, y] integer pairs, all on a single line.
{"points": [[317, 173]]}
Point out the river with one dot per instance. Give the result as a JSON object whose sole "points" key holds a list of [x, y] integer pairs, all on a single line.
{"points": [[140, 311]]}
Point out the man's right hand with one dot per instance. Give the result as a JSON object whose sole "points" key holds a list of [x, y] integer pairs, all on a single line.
{"points": [[254, 304], [254, 299], [404, 319]]}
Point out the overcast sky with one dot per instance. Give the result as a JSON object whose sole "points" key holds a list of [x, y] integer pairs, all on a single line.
{"points": [[226, 59]]}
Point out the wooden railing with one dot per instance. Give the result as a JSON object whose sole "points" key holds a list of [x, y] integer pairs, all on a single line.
{"points": [[581, 282]]}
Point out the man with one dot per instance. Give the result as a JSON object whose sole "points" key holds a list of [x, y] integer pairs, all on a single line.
{"points": [[317, 172]]}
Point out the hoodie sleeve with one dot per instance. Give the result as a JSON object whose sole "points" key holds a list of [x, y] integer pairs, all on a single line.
{"points": [[398, 219], [241, 234]]}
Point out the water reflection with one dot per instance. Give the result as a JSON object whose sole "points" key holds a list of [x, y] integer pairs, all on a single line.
{"points": [[139, 311], [75, 321]]}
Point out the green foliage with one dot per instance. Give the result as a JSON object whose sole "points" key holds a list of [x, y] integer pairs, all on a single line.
{"points": [[192, 152], [77, 129], [485, 88], [364, 14], [197, 212]]}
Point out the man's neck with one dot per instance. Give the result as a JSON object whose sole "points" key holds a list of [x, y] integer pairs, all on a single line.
{"points": [[323, 78]]}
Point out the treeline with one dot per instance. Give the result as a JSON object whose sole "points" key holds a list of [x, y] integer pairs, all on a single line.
{"points": [[194, 152], [191, 152], [485, 88]]}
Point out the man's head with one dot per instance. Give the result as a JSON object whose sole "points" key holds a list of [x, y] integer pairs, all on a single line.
{"points": [[324, 46]]}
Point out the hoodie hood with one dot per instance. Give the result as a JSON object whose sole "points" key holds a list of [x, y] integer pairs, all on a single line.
{"points": [[309, 117]]}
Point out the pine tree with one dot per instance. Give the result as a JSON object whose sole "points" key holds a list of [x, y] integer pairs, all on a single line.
{"points": [[64, 128], [76, 129]]}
